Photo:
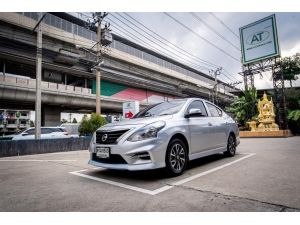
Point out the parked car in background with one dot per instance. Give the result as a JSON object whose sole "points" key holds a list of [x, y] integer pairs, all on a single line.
{"points": [[167, 134], [71, 128], [46, 133]]}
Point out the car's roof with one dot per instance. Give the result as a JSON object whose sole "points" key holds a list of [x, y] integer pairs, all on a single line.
{"points": [[46, 127]]}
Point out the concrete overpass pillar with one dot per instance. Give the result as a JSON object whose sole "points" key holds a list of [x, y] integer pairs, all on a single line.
{"points": [[50, 115]]}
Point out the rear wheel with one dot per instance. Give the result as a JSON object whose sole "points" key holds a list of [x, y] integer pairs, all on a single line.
{"points": [[231, 146], [176, 157]]}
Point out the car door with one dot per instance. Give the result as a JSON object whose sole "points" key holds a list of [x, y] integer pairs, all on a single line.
{"points": [[218, 124], [200, 127], [25, 135], [46, 133]]}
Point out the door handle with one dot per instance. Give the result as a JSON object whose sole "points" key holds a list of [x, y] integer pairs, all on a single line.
{"points": [[209, 124]]}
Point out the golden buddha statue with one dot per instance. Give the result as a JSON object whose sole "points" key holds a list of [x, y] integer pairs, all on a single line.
{"points": [[266, 117]]}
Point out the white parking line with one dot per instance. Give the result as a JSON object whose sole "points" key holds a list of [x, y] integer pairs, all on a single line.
{"points": [[37, 160], [164, 188]]}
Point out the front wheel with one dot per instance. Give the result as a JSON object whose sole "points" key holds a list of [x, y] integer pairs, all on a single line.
{"points": [[231, 146], [176, 157]]}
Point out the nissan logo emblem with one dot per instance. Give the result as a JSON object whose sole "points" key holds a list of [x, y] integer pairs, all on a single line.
{"points": [[104, 137]]}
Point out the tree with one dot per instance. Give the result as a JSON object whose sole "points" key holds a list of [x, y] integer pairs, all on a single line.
{"points": [[290, 67], [244, 108], [74, 120], [64, 120], [293, 107], [89, 126]]}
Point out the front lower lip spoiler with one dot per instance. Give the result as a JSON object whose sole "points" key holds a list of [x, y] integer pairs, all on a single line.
{"points": [[144, 166]]}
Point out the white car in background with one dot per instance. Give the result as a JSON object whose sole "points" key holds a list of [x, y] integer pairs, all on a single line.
{"points": [[46, 133]]}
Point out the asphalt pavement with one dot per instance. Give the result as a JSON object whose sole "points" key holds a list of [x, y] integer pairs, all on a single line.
{"points": [[263, 176]]}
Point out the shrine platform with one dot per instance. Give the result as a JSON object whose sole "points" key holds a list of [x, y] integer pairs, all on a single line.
{"points": [[266, 134]]}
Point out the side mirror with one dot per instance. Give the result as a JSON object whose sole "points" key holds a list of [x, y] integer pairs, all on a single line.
{"points": [[24, 134], [193, 112]]}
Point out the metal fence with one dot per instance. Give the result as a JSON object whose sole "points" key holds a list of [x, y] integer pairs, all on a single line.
{"points": [[30, 147]]}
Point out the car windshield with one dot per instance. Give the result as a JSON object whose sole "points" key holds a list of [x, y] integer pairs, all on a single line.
{"points": [[160, 109], [19, 132]]}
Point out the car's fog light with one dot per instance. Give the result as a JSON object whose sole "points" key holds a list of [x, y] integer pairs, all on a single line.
{"points": [[142, 156]]}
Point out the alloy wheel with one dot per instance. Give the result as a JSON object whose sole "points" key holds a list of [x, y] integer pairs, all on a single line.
{"points": [[177, 157]]}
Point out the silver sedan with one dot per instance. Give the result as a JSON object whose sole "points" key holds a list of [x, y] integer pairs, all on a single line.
{"points": [[168, 134]]}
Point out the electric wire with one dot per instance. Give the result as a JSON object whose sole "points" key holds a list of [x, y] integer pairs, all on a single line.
{"points": [[169, 42], [150, 34], [228, 28], [202, 38], [216, 32]]}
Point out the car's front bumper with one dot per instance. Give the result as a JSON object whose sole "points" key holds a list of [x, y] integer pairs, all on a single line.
{"points": [[155, 147]]}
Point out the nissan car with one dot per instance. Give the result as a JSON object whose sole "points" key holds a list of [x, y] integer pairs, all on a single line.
{"points": [[165, 135]]}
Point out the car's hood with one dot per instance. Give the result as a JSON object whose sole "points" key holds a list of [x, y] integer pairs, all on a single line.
{"points": [[138, 122]]}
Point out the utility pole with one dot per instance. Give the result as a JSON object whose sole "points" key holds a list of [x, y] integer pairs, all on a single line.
{"points": [[38, 101], [98, 17], [216, 73]]}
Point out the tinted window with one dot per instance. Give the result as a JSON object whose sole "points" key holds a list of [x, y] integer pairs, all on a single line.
{"points": [[30, 131], [46, 131], [214, 111], [58, 129], [164, 108], [198, 105]]}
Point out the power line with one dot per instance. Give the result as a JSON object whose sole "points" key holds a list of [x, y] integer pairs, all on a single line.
{"points": [[202, 38], [139, 40], [172, 53], [133, 36], [228, 28], [189, 54], [196, 57], [216, 32]]}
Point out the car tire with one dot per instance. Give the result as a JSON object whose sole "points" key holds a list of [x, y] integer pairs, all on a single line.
{"points": [[231, 146], [176, 157]]}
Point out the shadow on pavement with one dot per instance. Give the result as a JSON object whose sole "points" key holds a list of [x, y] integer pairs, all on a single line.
{"points": [[152, 175]]}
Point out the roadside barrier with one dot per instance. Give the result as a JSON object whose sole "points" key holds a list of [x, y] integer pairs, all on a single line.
{"points": [[30, 147]]}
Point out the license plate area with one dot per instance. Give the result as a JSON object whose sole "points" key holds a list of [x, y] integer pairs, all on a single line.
{"points": [[103, 152]]}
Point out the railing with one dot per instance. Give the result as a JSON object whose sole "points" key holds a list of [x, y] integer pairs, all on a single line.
{"points": [[31, 83]]}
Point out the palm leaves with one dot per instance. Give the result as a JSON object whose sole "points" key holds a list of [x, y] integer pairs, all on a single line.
{"points": [[244, 108]]}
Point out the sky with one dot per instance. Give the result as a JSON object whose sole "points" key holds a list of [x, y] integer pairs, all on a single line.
{"points": [[160, 23], [287, 25]]}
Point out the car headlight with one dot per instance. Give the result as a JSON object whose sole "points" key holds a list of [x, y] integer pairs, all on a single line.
{"points": [[148, 131], [92, 143]]}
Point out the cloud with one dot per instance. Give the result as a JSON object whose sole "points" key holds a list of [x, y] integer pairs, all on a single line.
{"points": [[287, 24]]}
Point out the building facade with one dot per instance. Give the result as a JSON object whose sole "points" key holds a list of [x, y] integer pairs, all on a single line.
{"points": [[129, 72]]}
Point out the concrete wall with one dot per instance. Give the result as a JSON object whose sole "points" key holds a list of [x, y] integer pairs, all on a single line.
{"points": [[51, 116], [29, 147]]}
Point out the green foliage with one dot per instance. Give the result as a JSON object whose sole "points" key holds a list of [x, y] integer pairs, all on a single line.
{"points": [[294, 115], [89, 125], [293, 107], [244, 108], [64, 121], [290, 67], [74, 120]]}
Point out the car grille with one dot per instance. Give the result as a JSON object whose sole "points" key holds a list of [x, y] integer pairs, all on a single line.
{"points": [[113, 159], [111, 136]]}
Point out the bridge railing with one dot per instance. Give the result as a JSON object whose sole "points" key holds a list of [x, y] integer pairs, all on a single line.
{"points": [[31, 83]]}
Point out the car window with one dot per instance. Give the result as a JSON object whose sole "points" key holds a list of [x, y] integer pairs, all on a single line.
{"points": [[30, 131], [198, 105], [57, 129], [160, 109], [46, 130], [214, 111]]}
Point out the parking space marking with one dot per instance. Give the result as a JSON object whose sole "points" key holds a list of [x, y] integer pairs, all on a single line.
{"points": [[211, 170], [37, 160], [145, 191], [164, 188]]}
